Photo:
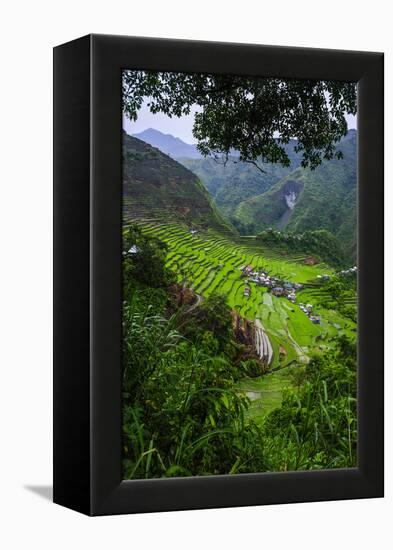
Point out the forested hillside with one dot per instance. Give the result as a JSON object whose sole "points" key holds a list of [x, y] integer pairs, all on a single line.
{"points": [[324, 198], [233, 182]]}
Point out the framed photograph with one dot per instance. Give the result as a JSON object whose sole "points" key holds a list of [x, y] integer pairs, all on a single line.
{"points": [[218, 275]]}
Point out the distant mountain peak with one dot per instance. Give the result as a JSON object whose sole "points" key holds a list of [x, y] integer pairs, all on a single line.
{"points": [[158, 134], [351, 134], [168, 144]]}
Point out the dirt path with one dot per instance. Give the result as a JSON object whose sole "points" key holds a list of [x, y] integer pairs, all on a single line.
{"points": [[196, 304], [302, 357]]}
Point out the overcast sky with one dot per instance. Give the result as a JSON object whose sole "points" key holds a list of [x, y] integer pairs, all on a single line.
{"points": [[178, 127]]}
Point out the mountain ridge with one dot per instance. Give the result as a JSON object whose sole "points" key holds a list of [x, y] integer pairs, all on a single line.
{"points": [[168, 144]]}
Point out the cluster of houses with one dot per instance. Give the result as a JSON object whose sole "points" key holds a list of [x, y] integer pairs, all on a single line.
{"points": [[308, 310], [323, 277], [133, 250], [278, 288], [349, 271], [288, 290]]}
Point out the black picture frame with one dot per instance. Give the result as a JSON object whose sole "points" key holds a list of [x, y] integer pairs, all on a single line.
{"points": [[87, 275]]}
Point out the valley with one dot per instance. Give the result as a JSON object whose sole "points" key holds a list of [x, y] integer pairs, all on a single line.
{"points": [[239, 275], [169, 202], [253, 200]]}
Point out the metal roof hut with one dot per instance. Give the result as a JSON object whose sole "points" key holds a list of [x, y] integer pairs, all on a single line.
{"points": [[134, 249], [277, 291]]}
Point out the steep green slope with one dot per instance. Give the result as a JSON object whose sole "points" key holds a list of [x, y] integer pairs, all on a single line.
{"points": [[324, 198], [156, 186]]}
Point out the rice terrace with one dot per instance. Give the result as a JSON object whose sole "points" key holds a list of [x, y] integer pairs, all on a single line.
{"points": [[239, 277], [212, 263]]}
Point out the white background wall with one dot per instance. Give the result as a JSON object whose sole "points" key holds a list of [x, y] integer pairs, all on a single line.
{"points": [[28, 31]]}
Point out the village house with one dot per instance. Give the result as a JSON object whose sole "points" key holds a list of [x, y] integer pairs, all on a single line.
{"points": [[134, 249], [349, 271], [307, 309], [323, 277], [315, 319], [247, 291], [278, 291]]}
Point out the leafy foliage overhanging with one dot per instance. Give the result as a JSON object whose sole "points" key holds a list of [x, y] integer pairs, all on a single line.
{"points": [[252, 117]]}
